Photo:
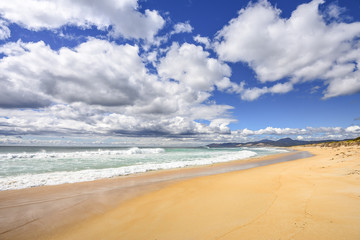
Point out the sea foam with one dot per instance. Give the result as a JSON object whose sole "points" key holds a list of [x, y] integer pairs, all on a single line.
{"points": [[98, 164], [43, 154]]}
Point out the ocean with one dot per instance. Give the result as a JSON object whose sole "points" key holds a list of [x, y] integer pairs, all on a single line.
{"points": [[25, 167]]}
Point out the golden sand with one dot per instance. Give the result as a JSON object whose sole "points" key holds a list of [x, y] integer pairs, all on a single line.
{"points": [[312, 198]]}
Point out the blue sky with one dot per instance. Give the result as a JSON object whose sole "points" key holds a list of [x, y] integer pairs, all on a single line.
{"points": [[187, 72]]}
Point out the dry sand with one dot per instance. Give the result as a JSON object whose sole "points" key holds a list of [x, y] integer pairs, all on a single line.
{"points": [[312, 198]]}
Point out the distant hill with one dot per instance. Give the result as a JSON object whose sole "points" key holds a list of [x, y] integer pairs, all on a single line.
{"points": [[284, 142]]}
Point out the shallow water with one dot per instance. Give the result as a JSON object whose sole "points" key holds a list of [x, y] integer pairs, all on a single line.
{"points": [[24, 167]]}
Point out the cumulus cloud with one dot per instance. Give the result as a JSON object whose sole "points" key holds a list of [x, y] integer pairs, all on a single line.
{"points": [[251, 94], [221, 125], [301, 48], [353, 129], [81, 119], [349, 84], [272, 131], [101, 87], [191, 65], [4, 30], [101, 73], [95, 72], [122, 16], [182, 28], [308, 133], [104, 88], [334, 11], [203, 40]]}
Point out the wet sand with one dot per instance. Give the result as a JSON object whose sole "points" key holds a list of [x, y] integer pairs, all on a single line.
{"points": [[312, 198], [39, 212]]}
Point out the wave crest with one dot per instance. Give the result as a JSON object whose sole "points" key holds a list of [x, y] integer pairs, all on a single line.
{"points": [[80, 154]]}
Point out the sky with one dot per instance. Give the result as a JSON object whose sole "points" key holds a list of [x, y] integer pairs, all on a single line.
{"points": [[178, 73]]}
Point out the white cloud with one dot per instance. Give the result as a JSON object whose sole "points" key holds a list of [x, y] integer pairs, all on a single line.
{"points": [[281, 88], [333, 11], [104, 88], [300, 138], [151, 57], [182, 28], [353, 129], [122, 16], [100, 87], [251, 94], [301, 48], [191, 65], [348, 84], [308, 133], [203, 40], [271, 131], [4, 30], [81, 119], [221, 125], [95, 72]]}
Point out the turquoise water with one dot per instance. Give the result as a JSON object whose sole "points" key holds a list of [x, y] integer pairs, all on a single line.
{"points": [[24, 167]]}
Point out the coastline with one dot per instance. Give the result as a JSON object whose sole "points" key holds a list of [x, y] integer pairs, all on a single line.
{"points": [[56, 166], [26, 213], [219, 206]]}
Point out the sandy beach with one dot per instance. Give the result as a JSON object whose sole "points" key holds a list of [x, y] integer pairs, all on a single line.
{"points": [[312, 198], [179, 120]]}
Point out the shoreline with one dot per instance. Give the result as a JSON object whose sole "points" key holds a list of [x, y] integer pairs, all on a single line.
{"points": [[198, 170], [311, 198], [316, 198], [25, 212], [130, 166]]}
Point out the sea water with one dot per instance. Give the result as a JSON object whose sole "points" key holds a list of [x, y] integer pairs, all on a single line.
{"points": [[25, 167]]}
